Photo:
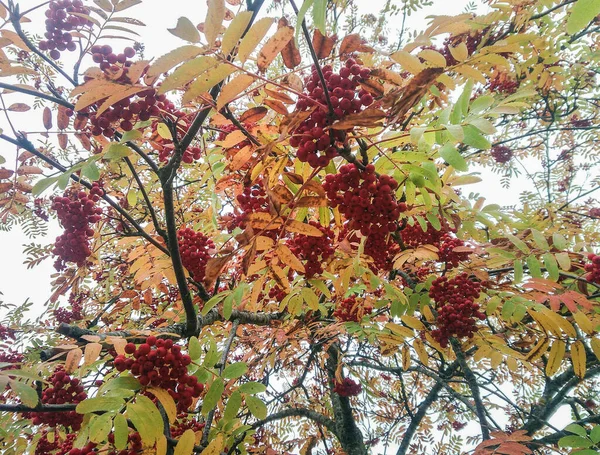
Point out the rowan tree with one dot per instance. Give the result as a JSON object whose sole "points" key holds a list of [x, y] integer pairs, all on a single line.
{"points": [[267, 242]]}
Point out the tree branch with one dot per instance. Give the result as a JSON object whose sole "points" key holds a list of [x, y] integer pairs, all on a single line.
{"points": [[38, 94]]}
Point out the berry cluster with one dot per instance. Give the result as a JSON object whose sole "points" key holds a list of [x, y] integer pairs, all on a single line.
{"points": [[107, 59], [134, 444], [366, 200], [502, 83], [458, 425], [314, 250], [502, 154], [347, 388], [63, 389], [180, 428], [57, 446], [252, 200], [349, 310], [61, 18], [160, 363], [9, 356], [76, 211], [593, 268], [6, 333], [414, 236], [382, 248], [457, 312], [472, 40], [165, 147], [195, 249], [75, 313], [316, 145]]}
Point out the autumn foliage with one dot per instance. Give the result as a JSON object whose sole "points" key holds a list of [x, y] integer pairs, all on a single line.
{"points": [[266, 241]]}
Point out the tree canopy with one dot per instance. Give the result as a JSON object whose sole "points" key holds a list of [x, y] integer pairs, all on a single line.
{"points": [[268, 243]]}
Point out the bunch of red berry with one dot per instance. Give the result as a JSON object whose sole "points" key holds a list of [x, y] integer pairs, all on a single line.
{"points": [[347, 388], [414, 236], [351, 310], [134, 444], [502, 83], [63, 16], [6, 333], [317, 145], [180, 427], [9, 356], [382, 248], [366, 200], [252, 200], [195, 249], [76, 211], [165, 147], [502, 154], [75, 313], [160, 363], [457, 312], [593, 268], [59, 446], [63, 389], [314, 250], [107, 59]]}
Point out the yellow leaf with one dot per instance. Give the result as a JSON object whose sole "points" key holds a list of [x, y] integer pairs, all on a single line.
{"points": [[273, 46], [303, 228], [185, 445], [412, 322], [408, 61], [207, 81], [167, 402], [256, 33], [73, 358], [235, 30], [310, 298], [583, 322], [215, 446], [472, 73], [459, 52], [433, 57], [281, 277], [185, 30], [214, 19], [557, 353], [483, 352], [233, 88], [161, 445], [163, 131], [496, 359], [561, 322], [595, 343], [426, 311], [261, 220], [91, 353], [539, 349], [405, 358], [400, 330], [187, 72], [287, 257], [175, 57], [421, 352], [578, 358]]}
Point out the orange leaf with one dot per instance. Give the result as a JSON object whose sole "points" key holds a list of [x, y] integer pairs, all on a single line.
{"points": [[254, 114], [73, 358], [323, 45], [273, 46]]}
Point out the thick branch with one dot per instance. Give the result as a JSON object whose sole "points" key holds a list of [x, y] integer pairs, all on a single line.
{"points": [[42, 408]]}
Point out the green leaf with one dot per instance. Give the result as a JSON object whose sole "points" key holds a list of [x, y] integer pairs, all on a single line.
{"points": [[212, 356], [121, 382], [595, 434], [518, 271], [235, 370], [213, 396], [474, 138], [319, 14], [582, 13], [577, 429], [453, 157], [185, 30], [301, 13], [132, 135], [559, 241], [256, 407], [63, 180], [27, 394], [121, 431], [146, 418], [576, 442], [100, 426], [90, 171], [213, 302], [228, 306], [194, 348], [481, 104], [534, 267], [43, 185], [100, 404], [253, 388], [551, 266], [116, 151], [233, 405]]}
